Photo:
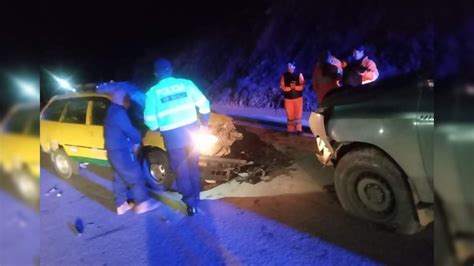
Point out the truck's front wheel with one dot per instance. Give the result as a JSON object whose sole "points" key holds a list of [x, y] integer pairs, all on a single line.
{"points": [[370, 186]]}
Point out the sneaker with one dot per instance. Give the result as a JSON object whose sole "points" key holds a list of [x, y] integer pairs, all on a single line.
{"points": [[146, 206], [125, 207]]}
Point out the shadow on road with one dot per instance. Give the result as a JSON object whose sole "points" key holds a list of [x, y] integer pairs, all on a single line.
{"points": [[321, 215]]}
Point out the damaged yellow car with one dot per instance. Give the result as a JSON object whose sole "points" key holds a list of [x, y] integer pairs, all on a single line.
{"points": [[72, 133]]}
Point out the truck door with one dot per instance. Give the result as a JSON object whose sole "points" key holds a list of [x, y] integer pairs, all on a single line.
{"points": [[425, 128]]}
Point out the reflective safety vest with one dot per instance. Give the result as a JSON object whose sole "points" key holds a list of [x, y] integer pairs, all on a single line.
{"points": [[172, 103]]}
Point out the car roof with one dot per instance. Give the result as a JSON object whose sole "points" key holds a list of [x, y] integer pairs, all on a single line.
{"points": [[80, 95]]}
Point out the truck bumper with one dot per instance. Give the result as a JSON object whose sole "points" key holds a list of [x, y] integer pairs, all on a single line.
{"points": [[325, 151]]}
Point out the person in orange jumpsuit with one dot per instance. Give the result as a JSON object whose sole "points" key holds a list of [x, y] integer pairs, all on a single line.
{"points": [[292, 85], [326, 75]]}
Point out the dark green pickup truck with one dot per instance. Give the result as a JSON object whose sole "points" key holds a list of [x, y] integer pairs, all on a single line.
{"points": [[379, 138]]}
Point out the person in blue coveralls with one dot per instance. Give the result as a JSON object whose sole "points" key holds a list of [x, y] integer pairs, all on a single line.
{"points": [[122, 141], [174, 106]]}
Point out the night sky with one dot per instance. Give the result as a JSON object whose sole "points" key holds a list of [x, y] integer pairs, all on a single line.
{"points": [[102, 41], [103, 44]]}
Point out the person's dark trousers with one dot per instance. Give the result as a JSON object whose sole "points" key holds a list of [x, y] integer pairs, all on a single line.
{"points": [[128, 177], [185, 163]]}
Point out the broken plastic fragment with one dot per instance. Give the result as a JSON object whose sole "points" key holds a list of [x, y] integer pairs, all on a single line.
{"points": [[51, 190], [244, 175], [79, 225]]}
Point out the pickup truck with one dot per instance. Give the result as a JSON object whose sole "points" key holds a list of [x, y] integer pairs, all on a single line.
{"points": [[379, 138]]}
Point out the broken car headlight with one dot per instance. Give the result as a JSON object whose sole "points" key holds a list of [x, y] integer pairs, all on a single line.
{"points": [[204, 142]]}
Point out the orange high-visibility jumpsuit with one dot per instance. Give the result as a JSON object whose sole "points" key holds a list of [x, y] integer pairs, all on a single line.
{"points": [[292, 86]]}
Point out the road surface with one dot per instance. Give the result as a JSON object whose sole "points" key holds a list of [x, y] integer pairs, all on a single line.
{"points": [[293, 219]]}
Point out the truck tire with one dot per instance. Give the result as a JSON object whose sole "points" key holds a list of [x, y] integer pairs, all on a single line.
{"points": [[63, 164], [158, 174], [370, 186]]}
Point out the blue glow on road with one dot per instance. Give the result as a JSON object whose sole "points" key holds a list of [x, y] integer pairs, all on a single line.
{"points": [[221, 234]]}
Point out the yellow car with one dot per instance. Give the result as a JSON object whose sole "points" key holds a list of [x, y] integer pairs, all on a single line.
{"points": [[72, 132], [19, 152]]}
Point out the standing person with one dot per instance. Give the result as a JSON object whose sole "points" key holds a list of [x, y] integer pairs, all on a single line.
{"points": [[170, 107], [122, 141], [292, 85], [326, 75], [360, 69]]}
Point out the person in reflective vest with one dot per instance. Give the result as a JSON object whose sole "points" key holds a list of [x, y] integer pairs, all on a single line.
{"points": [[292, 85], [174, 106]]}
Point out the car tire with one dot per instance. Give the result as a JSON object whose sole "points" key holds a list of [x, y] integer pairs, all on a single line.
{"points": [[158, 174], [63, 164], [370, 186]]}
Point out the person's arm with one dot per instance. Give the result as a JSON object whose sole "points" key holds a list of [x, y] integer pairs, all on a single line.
{"points": [[126, 126], [201, 102], [371, 74], [150, 114], [301, 81], [339, 66], [282, 85]]}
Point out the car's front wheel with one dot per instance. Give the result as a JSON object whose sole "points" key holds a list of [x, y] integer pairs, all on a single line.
{"points": [[63, 164], [370, 186], [157, 170]]}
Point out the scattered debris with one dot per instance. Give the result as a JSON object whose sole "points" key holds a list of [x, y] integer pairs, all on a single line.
{"points": [[245, 159], [51, 190], [78, 227], [250, 173]]}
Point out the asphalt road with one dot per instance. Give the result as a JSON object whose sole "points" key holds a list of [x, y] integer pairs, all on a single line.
{"points": [[294, 218]]}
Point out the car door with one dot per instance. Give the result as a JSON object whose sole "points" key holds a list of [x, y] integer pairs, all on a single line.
{"points": [[425, 128], [50, 124], [98, 111], [73, 132]]}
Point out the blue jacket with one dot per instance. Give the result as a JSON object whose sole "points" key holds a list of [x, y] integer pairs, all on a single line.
{"points": [[119, 133], [172, 103]]}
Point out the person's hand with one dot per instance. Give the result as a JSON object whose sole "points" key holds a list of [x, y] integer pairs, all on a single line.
{"points": [[292, 85], [136, 148]]}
